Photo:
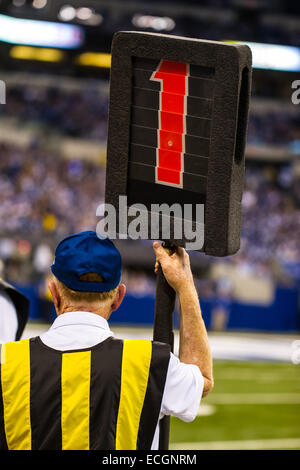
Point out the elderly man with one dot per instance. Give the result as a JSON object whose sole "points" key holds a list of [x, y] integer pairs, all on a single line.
{"points": [[76, 386]]}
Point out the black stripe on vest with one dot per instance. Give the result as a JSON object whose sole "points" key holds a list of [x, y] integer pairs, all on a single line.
{"points": [[3, 443], [45, 396], [106, 361], [154, 393]]}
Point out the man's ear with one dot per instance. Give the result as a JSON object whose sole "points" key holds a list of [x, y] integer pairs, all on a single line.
{"points": [[119, 297], [55, 296]]}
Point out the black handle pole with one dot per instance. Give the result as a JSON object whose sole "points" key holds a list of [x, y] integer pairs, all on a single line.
{"points": [[163, 332]]}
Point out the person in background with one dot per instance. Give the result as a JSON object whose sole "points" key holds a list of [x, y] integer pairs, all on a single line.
{"points": [[14, 309]]}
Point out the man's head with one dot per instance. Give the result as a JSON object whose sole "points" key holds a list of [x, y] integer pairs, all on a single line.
{"points": [[86, 275]]}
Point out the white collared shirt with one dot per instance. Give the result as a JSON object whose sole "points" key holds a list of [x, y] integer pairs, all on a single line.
{"points": [[184, 382]]}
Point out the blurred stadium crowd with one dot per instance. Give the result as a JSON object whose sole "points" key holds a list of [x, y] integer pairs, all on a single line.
{"points": [[271, 222], [274, 127], [82, 113], [77, 113]]}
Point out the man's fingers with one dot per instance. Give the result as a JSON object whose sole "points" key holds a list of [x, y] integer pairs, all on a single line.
{"points": [[180, 251], [182, 254], [159, 251]]}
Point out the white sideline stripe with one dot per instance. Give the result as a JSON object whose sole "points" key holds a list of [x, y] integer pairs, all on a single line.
{"points": [[263, 376], [206, 410], [239, 445], [253, 398]]}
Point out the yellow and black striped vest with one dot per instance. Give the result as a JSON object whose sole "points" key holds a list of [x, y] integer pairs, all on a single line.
{"points": [[104, 397]]}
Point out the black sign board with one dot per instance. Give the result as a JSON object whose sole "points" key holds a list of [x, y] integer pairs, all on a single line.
{"points": [[177, 130]]}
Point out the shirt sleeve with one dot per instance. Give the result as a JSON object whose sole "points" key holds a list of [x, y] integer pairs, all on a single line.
{"points": [[8, 320], [183, 390]]}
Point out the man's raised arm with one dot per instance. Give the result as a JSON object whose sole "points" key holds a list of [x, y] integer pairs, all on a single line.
{"points": [[194, 347]]}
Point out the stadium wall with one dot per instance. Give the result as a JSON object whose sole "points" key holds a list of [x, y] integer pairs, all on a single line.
{"points": [[280, 316]]}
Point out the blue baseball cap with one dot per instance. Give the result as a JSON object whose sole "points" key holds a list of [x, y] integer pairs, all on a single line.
{"points": [[84, 253]]}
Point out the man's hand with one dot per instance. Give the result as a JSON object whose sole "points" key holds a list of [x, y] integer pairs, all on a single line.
{"points": [[176, 267]]}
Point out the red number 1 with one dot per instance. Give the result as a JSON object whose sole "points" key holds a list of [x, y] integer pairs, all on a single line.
{"points": [[171, 132]]}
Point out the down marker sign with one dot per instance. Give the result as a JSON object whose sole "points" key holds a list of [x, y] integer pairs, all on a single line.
{"points": [[178, 117]]}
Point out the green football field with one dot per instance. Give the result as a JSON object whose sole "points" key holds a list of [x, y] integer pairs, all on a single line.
{"points": [[254, 405]]}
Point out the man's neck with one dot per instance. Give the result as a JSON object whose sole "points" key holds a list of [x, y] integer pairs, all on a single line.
{"points": [[101, 312]]}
